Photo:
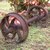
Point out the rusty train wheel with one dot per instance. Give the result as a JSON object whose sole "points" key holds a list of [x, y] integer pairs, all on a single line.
{"points": [[5, 28], [21, 28], [37, 11]]}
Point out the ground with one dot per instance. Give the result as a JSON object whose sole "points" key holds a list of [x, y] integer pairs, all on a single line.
{"points": [[38, 39]]}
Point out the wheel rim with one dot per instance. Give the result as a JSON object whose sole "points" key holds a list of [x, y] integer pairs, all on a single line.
{"points": [[41, 11], [24, 27], [6, 31]]}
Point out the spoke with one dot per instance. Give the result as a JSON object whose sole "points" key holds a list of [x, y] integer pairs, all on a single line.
{"points": [[34, 12], [11, 33], [7, 21], [12, 22]]}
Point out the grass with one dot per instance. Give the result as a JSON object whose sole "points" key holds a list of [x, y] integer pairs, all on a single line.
{"points": [[38, 38], [4, 5]]}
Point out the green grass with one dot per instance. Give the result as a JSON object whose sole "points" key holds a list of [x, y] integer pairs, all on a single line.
{"points": [[4, 5], [36, 37], [48, 8]]}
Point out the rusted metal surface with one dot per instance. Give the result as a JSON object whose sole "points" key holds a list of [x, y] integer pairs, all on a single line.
{"points": [[13, 23], [42, 13], [22, 32], [5, 28]]}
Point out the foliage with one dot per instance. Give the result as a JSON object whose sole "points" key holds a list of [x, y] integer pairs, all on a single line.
{"points": [[15, 3], [18, 1], [43, 1]]}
